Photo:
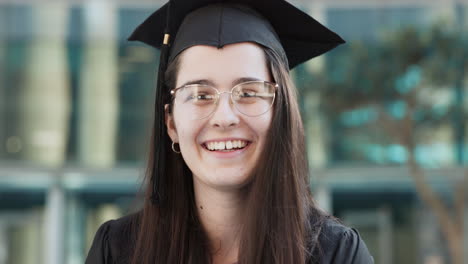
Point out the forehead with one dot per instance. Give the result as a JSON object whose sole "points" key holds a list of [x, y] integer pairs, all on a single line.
{"points": [[222, 65]]}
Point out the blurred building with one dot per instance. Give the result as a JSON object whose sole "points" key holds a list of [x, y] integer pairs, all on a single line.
{"points": [[75, 118]]}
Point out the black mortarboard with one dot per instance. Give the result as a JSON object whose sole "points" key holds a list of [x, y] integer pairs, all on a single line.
{"points": [[275, 24]]}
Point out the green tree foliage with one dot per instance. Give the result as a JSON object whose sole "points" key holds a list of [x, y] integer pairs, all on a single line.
{"points": [[393, 68], [403, 79]]}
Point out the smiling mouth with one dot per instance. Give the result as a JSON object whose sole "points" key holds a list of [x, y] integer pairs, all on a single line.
{"points": [[226, 146]]}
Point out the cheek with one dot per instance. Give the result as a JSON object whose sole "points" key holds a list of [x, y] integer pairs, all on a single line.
{"points": [[187, 132], [265, 123], [260, 126]]}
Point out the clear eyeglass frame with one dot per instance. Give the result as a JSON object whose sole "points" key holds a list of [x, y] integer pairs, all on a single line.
{"points": [[217, 94]]}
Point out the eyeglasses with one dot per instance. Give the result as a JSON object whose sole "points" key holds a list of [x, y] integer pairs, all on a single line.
{"points": [[252, 98]]}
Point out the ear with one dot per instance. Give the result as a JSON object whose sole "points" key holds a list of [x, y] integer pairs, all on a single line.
{"points": [[170, 124]]}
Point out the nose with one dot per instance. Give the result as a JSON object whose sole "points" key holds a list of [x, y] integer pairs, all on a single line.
{"points": [[225, 115]]}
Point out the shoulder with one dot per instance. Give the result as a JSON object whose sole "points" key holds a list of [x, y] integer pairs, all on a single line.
{"points": [[341, 245], [113, 240]]}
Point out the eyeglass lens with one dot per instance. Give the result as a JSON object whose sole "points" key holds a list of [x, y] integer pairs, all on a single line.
{"points": [[250, 98]]}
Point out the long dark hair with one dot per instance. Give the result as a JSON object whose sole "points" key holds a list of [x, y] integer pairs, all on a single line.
{"points": [[281, 218]]}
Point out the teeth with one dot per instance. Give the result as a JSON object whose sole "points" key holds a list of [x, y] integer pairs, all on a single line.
{"points": [[242, 144], [229, 145], [226, 145]]}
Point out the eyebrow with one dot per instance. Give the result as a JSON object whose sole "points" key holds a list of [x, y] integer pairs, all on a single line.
{"points": [[212, 83], [244, 79]]}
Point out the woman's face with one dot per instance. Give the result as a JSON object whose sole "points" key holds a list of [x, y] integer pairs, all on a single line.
{"points": [[226, 126]]}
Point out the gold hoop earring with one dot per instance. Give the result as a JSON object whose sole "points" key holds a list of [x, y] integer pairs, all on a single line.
{"points": [[173, 148]]}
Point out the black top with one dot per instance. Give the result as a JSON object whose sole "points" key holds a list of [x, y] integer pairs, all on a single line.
{"points": [[338, 244]]}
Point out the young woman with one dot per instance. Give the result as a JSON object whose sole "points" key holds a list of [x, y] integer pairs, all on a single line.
{"points": [[228, 179]]}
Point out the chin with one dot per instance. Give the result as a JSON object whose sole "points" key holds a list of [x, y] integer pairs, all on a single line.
{"points": [[226, 181]]}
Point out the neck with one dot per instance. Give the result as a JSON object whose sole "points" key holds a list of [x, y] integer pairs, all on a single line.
{"points": [[220, 213]]}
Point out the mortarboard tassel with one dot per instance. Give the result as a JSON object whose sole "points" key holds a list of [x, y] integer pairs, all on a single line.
{"points": [[161, 138]]}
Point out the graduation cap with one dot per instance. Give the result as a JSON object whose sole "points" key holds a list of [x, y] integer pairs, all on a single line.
{"points": [[181, 24]]}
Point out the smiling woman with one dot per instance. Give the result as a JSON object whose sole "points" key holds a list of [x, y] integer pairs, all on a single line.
{"points": [[219, 123], [228, 179]]}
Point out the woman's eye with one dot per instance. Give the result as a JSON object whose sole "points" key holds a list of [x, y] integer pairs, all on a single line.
{"points": [[247, 94], [200, 97]]}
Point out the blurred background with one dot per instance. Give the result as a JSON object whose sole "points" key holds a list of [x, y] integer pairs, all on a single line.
{"points": [[386, 122]]}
